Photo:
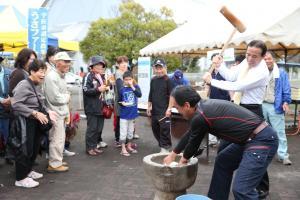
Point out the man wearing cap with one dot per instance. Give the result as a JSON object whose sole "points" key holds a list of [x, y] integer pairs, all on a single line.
{"points": [[178, 79], [158, 103], [93, 86], [57, 99]]}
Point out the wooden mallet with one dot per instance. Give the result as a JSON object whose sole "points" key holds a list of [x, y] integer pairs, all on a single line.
{"points": [[238, 26]]}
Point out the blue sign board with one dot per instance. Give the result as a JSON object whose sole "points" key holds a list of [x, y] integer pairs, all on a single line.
{"points": [[38, 30]]}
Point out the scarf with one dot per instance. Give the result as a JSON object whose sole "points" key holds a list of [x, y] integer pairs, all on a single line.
{"points": [[275, 71], [99, 78], [242, 74]]}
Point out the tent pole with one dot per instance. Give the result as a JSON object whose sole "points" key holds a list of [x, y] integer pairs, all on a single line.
{"points": [[182, 60], [285, 56], [285, 53]]}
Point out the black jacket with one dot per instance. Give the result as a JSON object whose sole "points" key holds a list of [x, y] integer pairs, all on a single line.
{"points": [[93, 104], [221, 118], [160, 90]]}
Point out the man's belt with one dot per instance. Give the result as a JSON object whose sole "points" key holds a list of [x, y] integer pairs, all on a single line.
{"points": [[258, 129]]}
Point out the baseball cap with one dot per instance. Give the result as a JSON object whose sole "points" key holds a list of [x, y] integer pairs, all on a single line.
{"points": [[160, 62], [62, 56], [178, 74], [94, 60]]}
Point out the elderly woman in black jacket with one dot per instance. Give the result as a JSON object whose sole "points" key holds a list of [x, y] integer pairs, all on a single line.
{"points": [[26, 103], [93, 87]]}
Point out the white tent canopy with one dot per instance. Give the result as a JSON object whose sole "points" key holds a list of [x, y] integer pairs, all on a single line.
{"points": [[275, 22]]}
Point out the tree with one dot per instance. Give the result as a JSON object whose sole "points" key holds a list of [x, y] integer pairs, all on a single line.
{"points": [[127, 33]]}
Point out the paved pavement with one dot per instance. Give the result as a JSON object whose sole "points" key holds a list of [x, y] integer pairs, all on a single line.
{"points": [[111, 176]]}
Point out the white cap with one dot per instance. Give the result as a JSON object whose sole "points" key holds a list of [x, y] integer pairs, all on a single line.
{"points": [[62, 56]]}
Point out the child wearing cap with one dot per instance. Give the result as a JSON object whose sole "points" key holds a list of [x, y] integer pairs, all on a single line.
{"points": [[128, 112], [158, 102]]}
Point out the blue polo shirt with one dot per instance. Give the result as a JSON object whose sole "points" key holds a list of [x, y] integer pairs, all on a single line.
{"points": [[216, 93]]}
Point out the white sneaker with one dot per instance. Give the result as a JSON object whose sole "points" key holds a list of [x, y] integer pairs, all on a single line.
{"points": [[287, 161], [68, 153], [136, 136], [27, 183], [35, 175], [101, 145], [163, 150]]}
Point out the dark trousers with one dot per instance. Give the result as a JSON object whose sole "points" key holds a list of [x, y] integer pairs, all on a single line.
{"points": [[256, 108], [264, 185], [94, 129], [250, 161], [161, 131], [24, 163], [4, 126], [117, 129]]}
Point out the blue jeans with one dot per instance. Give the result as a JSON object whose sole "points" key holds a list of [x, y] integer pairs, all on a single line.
{"points": [[250, 161], [277, 121]]}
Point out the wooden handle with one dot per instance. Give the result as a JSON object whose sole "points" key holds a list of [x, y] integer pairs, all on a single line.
{"points": [[213, 66], [223, 49]]}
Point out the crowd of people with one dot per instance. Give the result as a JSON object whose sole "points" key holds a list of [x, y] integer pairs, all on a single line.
{"points": [[35, 110], [249, 122], [245, 111]]}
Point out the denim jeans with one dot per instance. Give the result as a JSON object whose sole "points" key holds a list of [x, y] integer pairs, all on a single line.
{"points": [[249, 161], [278, 123]]}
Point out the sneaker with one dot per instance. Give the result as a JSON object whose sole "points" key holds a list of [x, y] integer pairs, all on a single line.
{"points": [[117, 144], [163, 150], [61, 168], [212, 143], [262, 194], [136, 136], [35, 175], [287, 161], [68, 153], [27, 183], [101, 145]]}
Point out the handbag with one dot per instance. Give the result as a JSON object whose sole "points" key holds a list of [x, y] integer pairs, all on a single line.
{"points": [[43, 127], [107, 111], [48, 126], [106, 98]]}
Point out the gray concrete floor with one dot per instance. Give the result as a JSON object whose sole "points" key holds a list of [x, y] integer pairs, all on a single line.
{"points": [[111, 176]]}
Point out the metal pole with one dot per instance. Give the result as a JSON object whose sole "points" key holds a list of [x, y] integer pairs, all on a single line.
{"points": [[79, 97]]}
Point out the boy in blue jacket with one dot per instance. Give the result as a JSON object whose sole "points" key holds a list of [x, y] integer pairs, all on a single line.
{"points": [[128, 112]]}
